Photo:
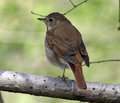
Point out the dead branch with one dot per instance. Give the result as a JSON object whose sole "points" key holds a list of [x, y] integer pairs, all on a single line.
{"points": [[102, 61], [74, 6], [37, 14], [57, 88]]}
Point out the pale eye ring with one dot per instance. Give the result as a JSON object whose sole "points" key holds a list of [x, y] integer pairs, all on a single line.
{"points": [[51, 19]]}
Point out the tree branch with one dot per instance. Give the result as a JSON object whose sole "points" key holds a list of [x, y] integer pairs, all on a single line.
{"points": [[74, 6], [57, 88], [37, 14], [102, 61]]}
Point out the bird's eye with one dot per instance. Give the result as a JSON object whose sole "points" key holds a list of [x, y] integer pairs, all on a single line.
{"points": [[51, 19]]}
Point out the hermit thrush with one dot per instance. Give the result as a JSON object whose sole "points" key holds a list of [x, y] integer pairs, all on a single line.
{"points": [[64, 46]]}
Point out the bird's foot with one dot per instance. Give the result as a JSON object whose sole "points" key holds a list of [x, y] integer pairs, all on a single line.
{"points": [[63, 78]]}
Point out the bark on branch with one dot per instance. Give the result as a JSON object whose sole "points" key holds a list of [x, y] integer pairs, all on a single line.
{"points": [[57, 88]]}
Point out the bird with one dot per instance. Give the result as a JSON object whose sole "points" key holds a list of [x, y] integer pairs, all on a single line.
{"points": [[64, 46]]}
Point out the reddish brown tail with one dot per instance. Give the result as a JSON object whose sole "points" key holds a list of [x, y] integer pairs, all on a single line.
{"points": [[78, 74]]}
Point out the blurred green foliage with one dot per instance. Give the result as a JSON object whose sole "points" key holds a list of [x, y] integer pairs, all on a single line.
{"points": [[22, 40]]}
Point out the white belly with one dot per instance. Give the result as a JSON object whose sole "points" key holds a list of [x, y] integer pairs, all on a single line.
{"points": [[53, 59]]}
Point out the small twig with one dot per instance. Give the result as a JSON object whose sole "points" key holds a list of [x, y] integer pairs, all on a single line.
{"points": [[37, 14], [74, 6], [72, 3], [119, 16], [109, 60]]}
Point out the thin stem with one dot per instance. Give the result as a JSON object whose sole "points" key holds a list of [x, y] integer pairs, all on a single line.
{"points": [[74, 6], [109, 60], [72, 3], [37, 14]]}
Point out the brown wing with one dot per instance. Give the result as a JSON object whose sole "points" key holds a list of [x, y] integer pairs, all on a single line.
{"points": [[61, 48], [84, 53], [66, 42]]}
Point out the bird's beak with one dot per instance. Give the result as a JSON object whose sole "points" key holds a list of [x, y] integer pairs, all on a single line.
{"points": [[41, 19]]}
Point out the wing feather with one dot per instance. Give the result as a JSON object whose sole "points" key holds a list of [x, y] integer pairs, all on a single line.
{"points": [[66, 42]]}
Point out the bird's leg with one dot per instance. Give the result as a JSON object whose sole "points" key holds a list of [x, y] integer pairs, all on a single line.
{"points": [[63, 76]]}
